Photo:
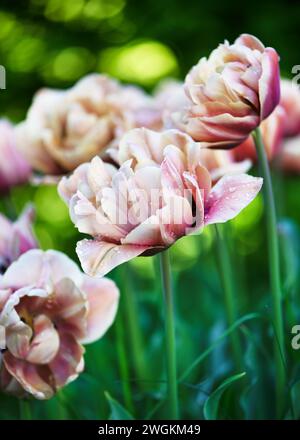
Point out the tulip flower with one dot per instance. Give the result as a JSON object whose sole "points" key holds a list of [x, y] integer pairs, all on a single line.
{"points": [[144, 207], [289, 157], [48, 309], [231, 92], [147, 147], [16, 237], [170, 99], [272, 130], [290, 101], [66, 128], [14, 169]]}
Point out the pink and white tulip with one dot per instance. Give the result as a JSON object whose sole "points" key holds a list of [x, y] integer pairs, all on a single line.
{"points": [[171, 100], [16, 238], [272, 130], [290, 101], [66, 128], [146, 205], [231, 92], [14, 169], [48, 309], [289, 157], [146, 147]]}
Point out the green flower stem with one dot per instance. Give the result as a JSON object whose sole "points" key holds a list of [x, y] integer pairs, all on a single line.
{"points": [[134, 327], [274, 268], [123, 365], [25, 410], [230, 295], [169, 334]]}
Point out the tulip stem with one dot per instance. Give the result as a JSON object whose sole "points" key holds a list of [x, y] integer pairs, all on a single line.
{"points": [[227, 280], [25, 412], [169, 334], [123, 365], [274, 268], [133, 325]]}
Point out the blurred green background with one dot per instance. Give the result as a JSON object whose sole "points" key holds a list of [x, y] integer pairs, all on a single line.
{"points": [[53, 43]]}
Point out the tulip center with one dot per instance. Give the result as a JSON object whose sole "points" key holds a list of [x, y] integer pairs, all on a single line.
{"points": [[26, 317], [4, 263]]}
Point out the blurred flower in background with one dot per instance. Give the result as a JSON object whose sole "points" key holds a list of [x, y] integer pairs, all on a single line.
{"points": [[14, 169], [289, 158], [170, 98], [66, 128], [272, 130], [290, 101], [17, 237]]}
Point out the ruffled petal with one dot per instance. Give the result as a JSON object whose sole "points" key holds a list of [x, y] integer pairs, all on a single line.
{"points": [[230, 196], [97, 258], [103, 299], [29, 376], [269, 83]]}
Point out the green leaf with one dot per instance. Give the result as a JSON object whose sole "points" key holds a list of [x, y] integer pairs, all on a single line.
{"points": [[288, 233], [295, 396], [211, 405], [118, 412], [220, 339]]}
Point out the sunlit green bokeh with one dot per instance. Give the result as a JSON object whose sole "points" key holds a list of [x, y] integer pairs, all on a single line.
{"points": [[144, 62]]}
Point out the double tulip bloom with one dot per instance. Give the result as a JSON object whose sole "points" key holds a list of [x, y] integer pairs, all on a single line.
{"points": [[280, 132], [231, 93], [66, 128], [272, 131], [48, 309], [160, 193], [290, 101], [16, 238], [14, 169]]}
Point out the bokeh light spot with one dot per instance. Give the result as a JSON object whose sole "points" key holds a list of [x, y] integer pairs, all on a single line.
{"points": [[143, 265], [44, 237], [26, 55], [57, 10], [250, 216], [50, 208], [140, 62], [71, 63], [102, 9], [7, 24]]}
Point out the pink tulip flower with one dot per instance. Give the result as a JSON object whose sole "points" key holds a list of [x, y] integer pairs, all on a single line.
{"points": [[231, 92], [66, 128], [48, 309], [145, 146], [272, 130], [290, 101], [171, 100], [289, 158], [145, 206], [16, 238], [14, 169]]}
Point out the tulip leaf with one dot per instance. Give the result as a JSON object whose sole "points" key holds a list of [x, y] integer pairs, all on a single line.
{"points": [[295, 395], [220, 339], [118, 412], [211, 405], [288, 233]]}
